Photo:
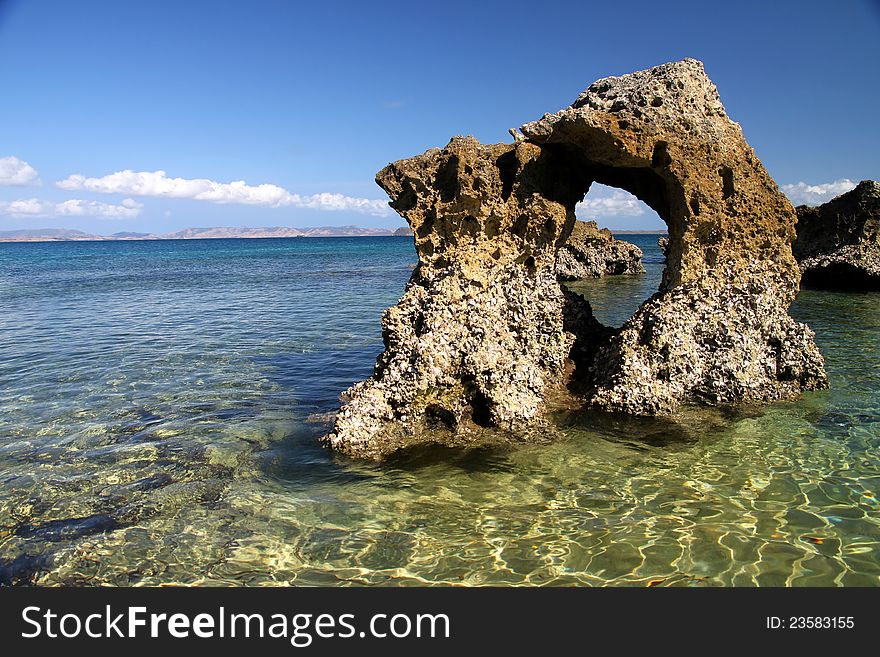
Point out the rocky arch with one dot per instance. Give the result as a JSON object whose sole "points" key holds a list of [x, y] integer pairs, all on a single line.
{"points": [[484, 334]]}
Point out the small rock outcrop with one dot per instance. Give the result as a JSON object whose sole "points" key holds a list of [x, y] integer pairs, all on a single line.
{"points": [[838, 243], [484, 333], [592, 252]]}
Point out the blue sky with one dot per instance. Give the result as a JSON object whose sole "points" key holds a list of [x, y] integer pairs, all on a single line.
{"points": [[306, 101]]}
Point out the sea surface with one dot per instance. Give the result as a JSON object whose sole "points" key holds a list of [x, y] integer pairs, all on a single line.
{"points": [[160, 404]]}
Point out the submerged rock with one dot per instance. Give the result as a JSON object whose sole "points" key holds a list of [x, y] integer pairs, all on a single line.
{"points": [[24, 569], [69, 528], [484, 332], [592, 252], [838, 243]]}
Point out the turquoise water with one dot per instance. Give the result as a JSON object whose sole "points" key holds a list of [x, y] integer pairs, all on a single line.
{"points": [[160, 404]]}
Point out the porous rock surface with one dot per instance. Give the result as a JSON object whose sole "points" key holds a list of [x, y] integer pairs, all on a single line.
{"points": [[592, 252], [663, 243], [480, 331], [838, 243], [484, 332]]}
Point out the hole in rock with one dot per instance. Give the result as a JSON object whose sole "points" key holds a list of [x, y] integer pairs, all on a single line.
{"points": [[618, 293], [481, 413], [437, 417], [839, 276]]}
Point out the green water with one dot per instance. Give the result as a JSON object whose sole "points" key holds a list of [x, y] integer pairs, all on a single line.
{"points": [[159, 405]]}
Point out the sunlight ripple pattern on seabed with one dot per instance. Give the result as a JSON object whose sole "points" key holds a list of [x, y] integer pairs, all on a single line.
{"points": [[160, 403]]}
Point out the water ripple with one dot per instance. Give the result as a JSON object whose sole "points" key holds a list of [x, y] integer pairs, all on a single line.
{"points": [[160, 401]]}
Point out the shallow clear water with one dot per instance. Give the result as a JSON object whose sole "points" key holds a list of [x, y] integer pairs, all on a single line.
{"points": [[160, 404]]}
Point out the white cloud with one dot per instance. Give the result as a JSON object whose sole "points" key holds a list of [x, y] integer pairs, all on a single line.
{"points": [[79, 208], [26, 207], [326, 201], [34, 207], [804, 194], [603, 201], [157, 183], [17, 172]]}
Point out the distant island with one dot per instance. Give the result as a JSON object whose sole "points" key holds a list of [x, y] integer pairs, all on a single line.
{"points": [[224, 232], [67, 235]]}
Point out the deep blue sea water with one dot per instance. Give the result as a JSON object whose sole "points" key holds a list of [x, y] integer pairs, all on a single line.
{"points": [[160, 403]]}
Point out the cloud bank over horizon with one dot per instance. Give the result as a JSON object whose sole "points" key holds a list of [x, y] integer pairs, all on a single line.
{"points": [[40, 208], [158, 184], [803, 194], [607, 205], [603, 202]]}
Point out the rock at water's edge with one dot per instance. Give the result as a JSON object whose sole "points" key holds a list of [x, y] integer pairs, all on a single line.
{"points": [[838, 243], [483, 327], [484, 333], [592, 252]]}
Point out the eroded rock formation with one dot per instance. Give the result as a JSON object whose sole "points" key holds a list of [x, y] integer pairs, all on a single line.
{"points": [[592, 252], [484, 332], [480, 332], [663, 243], [838, 243]]}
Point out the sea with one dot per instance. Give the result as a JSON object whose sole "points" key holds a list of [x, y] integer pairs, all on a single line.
{"points": [[161, 404]]}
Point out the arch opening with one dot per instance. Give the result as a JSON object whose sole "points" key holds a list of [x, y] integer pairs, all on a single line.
{"points": [[618, 249], [648, 180]]}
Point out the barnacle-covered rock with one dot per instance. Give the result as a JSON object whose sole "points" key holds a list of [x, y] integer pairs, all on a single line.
{"points": [[484, 332], [592, 252], [480, 332], [718, 330], [838, 243]]}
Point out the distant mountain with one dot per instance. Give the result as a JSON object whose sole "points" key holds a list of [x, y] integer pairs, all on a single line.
{"points": [[403, 231], [220, 232], [345, 231], [277, 231], [62, 234], [229, 232], [124, 235], [46, 235]]}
